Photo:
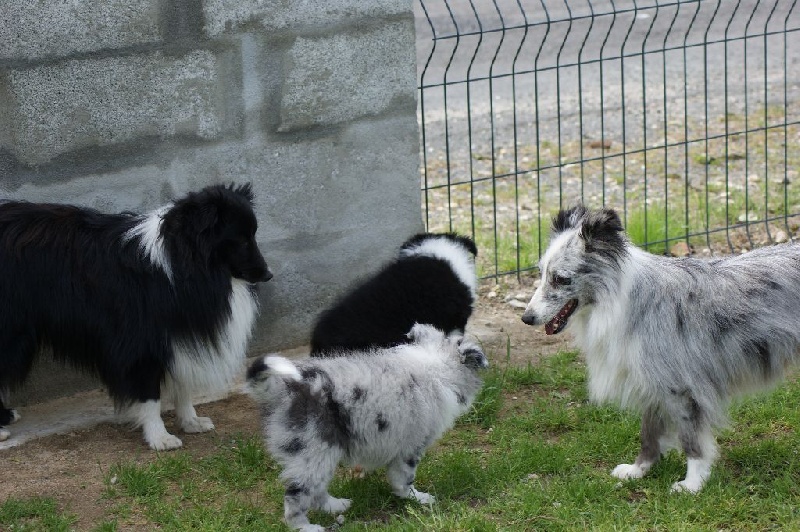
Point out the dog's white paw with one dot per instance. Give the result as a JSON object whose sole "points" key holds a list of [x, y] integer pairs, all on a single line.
{"points": [[421, 496], [15, 416], [165, 442], [687, 486], [197, 424], [335, 506], [626, 471], [4, 434]]}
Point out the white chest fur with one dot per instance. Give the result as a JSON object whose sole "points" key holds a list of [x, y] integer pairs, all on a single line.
{"points": [[611, 357], [209, 368]]}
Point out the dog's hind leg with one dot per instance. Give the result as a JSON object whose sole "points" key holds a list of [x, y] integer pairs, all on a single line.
{"points": [[401, 473], [652, 429], [17, 352], [297, 501], [307, 485]]}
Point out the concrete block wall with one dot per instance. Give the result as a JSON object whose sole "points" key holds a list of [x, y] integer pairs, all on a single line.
{"points": [[126, 104]]}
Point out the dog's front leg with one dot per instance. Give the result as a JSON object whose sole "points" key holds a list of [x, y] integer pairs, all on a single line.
{"points": [[652, 429], [297, 501], [700, 446], [401, 473], [187, 416], [147, 414]]}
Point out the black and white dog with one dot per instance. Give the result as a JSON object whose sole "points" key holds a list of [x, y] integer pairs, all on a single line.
{"points": [[676, 338], [432, 281], [158, 303], [374, 408]]}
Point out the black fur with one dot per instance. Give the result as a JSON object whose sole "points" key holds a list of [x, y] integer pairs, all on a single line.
{"points": [[78, 282], [380, 311]]}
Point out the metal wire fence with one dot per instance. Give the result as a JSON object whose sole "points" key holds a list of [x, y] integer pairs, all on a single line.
{"points": [[682, 114]]}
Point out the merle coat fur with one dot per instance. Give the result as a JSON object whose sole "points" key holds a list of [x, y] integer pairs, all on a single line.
{"points": [[676, 338], [381, 407]]}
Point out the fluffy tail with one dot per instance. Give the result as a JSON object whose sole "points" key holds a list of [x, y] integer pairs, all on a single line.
{"points": [[267, 372]]}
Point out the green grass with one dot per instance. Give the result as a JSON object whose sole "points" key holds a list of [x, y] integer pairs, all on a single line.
{"points": [[532, 455], [33, 514], [654, 229]]}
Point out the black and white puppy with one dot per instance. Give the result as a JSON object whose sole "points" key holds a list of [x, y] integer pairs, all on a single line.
{"points": [[432, 281], [156, 303], [375, 408]]}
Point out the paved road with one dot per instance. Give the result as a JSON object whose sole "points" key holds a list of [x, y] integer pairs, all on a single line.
{"points": [[471, 44], [640, 77]]}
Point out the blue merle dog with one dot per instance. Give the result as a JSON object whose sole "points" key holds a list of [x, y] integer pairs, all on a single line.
{"points": [[371, 408]]}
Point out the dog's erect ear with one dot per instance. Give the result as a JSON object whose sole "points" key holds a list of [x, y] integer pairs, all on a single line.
{"points": [[601, 230], [568, 219], [245, 190]]}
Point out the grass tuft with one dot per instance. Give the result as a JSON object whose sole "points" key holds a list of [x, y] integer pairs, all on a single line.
{"points": [[37, 513]]}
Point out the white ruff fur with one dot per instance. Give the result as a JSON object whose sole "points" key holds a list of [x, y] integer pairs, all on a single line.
{"points": [[458, 258], [206, 368], [148, 231], [611, 355]]}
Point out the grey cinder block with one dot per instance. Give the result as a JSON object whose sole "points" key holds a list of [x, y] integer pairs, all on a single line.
{"points": [[345, 76], [75, 104], [223, 15], [31, 30]]}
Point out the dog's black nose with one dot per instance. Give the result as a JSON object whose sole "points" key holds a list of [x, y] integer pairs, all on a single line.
{"points": [[529, 319], [266, 277]]}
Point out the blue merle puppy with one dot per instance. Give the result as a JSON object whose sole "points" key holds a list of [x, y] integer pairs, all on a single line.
{"points": [[372, 408]]}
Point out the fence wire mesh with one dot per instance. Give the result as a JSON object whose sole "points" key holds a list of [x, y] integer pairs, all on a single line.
{"points": [[684, 115]]}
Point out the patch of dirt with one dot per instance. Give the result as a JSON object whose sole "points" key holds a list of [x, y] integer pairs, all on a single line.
{"points": [[72, 468], [497, 322]]}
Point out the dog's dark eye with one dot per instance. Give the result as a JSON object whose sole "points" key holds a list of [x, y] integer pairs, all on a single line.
{"points": [[558, 280]]}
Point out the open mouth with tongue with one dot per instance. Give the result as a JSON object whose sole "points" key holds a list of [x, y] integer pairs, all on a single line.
{"points": [[557, 324]]}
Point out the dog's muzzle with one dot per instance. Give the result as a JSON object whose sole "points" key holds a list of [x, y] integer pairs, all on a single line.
{"points": [[529, 318]]}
